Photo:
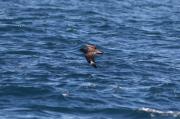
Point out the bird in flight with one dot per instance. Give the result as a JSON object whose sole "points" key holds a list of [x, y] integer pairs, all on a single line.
{"points": [[90, 52]]}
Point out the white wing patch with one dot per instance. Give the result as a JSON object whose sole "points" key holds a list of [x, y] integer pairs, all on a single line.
{"points": [[91, 62]]}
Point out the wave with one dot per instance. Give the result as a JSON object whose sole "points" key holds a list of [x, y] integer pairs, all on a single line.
{"points": [[159, 112]]}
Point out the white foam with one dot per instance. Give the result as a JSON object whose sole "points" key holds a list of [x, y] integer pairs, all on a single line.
{"points": [[163, 113]]}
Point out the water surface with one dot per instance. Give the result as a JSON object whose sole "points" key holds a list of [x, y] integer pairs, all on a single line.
{"points": [[44, 75]]}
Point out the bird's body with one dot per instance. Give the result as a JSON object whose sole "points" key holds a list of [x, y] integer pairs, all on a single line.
{"points": [[90, 52]]}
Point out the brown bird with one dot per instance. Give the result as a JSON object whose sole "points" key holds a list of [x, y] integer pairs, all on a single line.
{"points": [[90, 52]]}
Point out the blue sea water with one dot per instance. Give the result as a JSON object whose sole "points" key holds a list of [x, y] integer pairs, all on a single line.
{"points": [[43, 75]]}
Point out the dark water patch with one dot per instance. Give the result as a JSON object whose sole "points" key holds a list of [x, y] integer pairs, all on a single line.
{"points": [[22, 52], [23, 91], [18, 29]]}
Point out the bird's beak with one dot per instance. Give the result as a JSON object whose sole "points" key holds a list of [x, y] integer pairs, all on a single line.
{"points": [[99, 52]]}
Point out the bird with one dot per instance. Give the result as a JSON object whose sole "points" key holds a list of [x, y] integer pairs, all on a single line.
{"points": [[90, 51]]}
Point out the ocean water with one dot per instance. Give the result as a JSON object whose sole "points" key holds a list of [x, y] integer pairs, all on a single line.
{"points": [[43, 75]]}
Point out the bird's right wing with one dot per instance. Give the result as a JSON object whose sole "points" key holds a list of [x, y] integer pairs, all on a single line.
{"points": [[90, 59], [87, 58]]}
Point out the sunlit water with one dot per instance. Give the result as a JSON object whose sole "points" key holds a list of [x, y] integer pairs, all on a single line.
{"points": [[43, 75]]}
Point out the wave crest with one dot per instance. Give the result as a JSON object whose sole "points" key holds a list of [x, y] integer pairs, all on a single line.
{"points": [[159, 112]]}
